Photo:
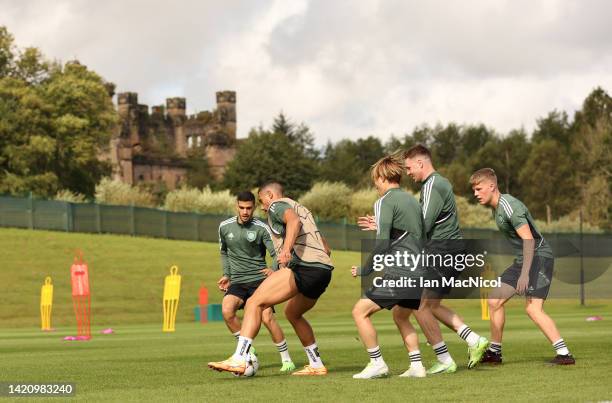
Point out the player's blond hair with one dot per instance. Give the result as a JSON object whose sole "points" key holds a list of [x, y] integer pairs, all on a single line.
{"points": [[482, 175], [389, 168]]}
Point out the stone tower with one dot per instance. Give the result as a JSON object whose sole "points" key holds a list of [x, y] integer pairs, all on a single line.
{"points": [[175, 108]]}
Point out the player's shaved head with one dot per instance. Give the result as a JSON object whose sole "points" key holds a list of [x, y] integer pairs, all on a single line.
{"points": [[418, 150], [272, 186]]}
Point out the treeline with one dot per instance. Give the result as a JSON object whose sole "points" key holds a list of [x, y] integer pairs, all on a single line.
{"points": [[562, 167], [56, 121]]}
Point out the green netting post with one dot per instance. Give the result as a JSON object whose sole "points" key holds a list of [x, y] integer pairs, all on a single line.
{"points": [[196, 228], [165, 224], [69, 217], [98, 218], [132, 221], [31, 208]]}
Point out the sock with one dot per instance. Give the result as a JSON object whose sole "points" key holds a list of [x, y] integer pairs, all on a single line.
{"points": [[283, 350], [415, 359], [242, 348], [495, 347], [314, 359], [236, 335], [466, 334], [375, 355], [442, 353], [560, 347]]}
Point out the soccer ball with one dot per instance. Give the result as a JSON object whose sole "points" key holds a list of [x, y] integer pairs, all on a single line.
{"points": [[252, 366]]}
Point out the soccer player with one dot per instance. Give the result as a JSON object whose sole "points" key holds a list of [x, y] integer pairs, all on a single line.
{"points": [[305, 270], [441, 223], [244, 241], [398, 222], [529, 275]]}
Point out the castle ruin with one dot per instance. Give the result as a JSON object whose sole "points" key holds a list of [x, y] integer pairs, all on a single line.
{"points": [[156, 147]]}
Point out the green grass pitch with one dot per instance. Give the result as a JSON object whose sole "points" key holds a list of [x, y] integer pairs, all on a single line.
{"points": [[139, 362]]}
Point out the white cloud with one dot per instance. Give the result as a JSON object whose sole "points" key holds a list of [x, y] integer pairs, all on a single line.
{"points": [[346, 68]]}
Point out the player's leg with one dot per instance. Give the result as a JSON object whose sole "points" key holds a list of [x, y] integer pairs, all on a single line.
{"points": [[401, 317], [362, 312], [273, 290], [278, 337], [497, 319], [429, 325], [295, 309], [535, 309], [229, 306]]}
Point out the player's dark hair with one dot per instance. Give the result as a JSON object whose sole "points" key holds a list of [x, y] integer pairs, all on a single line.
{"points": [[417, 150], [246, 196]]}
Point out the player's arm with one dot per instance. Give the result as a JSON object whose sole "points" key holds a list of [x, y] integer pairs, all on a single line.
{"points": [[432, 207], [292, 229], [384, 224], [224, 281], [528, 252], [267, 240]]}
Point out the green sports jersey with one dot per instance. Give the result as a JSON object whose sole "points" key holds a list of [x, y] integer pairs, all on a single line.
{"points": [[398, 215], [399, 220], [440, 216], [309, 249], [243, 249], [512, 214]]}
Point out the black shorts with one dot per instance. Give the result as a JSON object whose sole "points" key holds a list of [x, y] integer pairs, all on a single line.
{"points": [[390, 303], [540, 276], [244, 291], [440, 273], [311, 281]]}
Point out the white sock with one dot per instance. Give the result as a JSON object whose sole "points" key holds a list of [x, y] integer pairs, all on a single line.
{"points": [[236, 335], [442, 353], [375, 355], [242, 348], [283, 349], [314, 359], [560, 347], [415, 359], [468, 335]]}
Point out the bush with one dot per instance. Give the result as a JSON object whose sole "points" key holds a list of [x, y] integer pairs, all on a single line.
{"points": [[362, 203], [473, 215], [116, 192], [68, 196], [328, 200], [200, 201], [568, 223]]}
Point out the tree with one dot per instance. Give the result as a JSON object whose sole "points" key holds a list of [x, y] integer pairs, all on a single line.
{"points": [[445, 144], [554, 126], [350, 161], [299, 135], [547, 181], [267, 155], [54, 122]]}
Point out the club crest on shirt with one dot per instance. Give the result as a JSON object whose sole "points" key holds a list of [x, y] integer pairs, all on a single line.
{"points": [[230, 236], [251, 235]]}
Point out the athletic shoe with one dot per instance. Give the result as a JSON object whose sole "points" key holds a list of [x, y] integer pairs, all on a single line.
{"points": [[439, 368], [413, 372], [373, 370], [563, 360], [235, 366], [288, 366], [310, 371], [491, 357], [477, 352]]}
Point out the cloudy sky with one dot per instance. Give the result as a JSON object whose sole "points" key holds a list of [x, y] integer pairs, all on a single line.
{"points": [[346, 68]]}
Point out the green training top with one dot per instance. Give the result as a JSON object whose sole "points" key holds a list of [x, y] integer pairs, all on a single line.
{"points": [[398, 215], [399, 220], [310, 239], [511, 214], [243, 249], [440, 216]]}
